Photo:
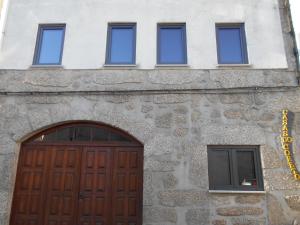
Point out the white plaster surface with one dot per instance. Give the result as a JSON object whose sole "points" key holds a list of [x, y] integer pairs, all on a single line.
{"points": [[85, 42]]}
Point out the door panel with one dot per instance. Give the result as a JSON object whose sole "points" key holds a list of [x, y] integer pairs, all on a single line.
{"points": [[95, 186], [63, 187], [75, 185], [30, 187], [127, 186]]}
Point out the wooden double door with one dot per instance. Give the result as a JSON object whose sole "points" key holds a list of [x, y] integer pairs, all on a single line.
{"points": [[78, 185]]}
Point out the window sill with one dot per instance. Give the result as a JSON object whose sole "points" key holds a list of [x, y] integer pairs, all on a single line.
{"points": [[120, 65], [46, 67], [172, 65], [235, 192], [234, 65]]}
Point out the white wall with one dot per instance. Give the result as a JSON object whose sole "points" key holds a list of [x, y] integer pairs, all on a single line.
{"points": [[85, 41]]}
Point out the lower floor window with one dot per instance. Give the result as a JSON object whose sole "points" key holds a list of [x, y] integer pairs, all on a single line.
{"points": [[234, 168]]}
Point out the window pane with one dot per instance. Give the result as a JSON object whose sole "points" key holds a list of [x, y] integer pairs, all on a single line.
{"points": [[172, 44], [65, 134], [51, 46], [230, 49], [246, 168], [121, 49], [220, 168], [83, 134], [117, 137], [100, 134]]}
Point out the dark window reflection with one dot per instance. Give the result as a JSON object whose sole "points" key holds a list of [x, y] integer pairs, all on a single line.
{"points": [[246, 168], [65, 134], [81, 133], [221, 171], [100, 134]]}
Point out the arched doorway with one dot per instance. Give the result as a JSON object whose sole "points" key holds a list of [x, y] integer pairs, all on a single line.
{"points": [[79, 174]]}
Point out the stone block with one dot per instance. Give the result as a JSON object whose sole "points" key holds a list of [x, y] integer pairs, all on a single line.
{"points": [[270, 158], [234, 134], [280, 180], [180, 119], [159, 145], [248, 221], [181, 132], [267, 117], [195, 116], [164, 121], [181, 109], [275, 211], [239, 211], [159, 215], [174, 77], [110, 77], [293, 202], [146, 108], [155, 165], [249, 199], [181, 198], [219, 222], [3, 201], [197, 216], [3, 218], [171, 99], [6, 166], [236, 99], [233, 114], [169, 181], [220, 199]]}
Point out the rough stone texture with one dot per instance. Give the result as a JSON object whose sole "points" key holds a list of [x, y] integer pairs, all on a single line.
{"points": [[158, 214], [117, 80], [249, 199], [219, 222], [197, 216], [275, 212], [175, 166], [293, 202], [170, 181], [280, 180], [3, 201], [239, 211], [247, 221], [3, 219], [183, 198]]}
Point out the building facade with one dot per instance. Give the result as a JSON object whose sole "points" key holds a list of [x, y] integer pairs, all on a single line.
{"points": [[148, 112]]}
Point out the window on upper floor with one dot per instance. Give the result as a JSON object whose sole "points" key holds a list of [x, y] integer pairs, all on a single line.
{"points": [[231, 44], [171, 44], [49, 45], [121, 44], [234, 168]]}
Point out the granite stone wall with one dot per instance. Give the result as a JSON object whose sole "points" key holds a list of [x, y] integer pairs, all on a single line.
{"points": [[175, 124]]}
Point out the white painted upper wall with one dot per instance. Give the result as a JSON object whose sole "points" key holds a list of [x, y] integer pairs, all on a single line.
{"points": [[86, 30]]}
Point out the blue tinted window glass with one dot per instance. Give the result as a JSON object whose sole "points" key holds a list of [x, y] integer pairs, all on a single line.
{"points": [[230, 45], [172, 46], [51, 46], [122, 49]]}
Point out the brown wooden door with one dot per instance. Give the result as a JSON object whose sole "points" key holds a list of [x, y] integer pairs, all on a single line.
{"points": [[78, 185], [28, 202], [95, 186], [127, 186], [63, 186]]}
